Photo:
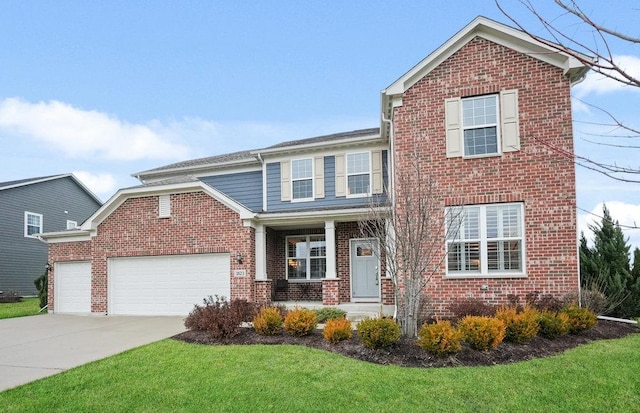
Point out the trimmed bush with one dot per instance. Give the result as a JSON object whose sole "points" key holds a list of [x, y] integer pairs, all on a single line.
{"points": [[552, 324], [482, 333], [472, 307], [520, 326], [245, 310], [300, 322], [580, 319], [329, 313], [215, 316], [440, 338], [378, 332], [268, 322], [337, 329]]}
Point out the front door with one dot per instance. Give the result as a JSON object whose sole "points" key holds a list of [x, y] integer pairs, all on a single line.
{"points": [[365, 273]]}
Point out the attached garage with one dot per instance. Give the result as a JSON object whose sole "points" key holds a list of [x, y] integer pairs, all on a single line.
{"points": [[72, 286], [166, 285]]}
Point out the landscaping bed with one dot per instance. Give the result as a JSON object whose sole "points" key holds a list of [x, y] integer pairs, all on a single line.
{"points": [[407, 353]]}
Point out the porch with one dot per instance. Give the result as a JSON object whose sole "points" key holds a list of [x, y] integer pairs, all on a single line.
{"points": [[325, 263]]}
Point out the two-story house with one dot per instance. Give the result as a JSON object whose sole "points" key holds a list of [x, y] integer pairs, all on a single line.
{"points": [[29, 207], [488, 115]]}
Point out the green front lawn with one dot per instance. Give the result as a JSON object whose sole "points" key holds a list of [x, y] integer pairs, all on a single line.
{"points": [[28, 306], [174, 376]]}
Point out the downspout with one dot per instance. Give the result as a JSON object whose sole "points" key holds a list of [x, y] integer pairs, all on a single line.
{"points": [[391, 191], [264, 182], [579, 80]]}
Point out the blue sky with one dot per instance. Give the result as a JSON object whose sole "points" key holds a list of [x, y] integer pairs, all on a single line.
{"points": [[106, 89]]}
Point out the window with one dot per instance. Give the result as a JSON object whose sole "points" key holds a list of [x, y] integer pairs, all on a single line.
{"points": [[480, 125], [489, 240], [306, 257], [358, 174], [302, 179], [72, 224], [32, 224]]}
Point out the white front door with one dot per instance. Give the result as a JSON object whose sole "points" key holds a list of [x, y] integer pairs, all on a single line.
{"points": [[365, 270]]}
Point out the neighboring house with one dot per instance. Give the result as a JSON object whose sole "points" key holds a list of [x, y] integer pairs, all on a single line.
{"points": [[489, 116], [29, 207]]}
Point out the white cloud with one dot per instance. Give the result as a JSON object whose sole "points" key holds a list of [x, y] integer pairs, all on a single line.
{"points": [[80, 133], [627, 215], [101, 184], [599, 84]]}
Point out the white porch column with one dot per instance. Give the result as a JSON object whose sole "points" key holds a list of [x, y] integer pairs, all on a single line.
{"points": [[330, 238], [261, 253]]}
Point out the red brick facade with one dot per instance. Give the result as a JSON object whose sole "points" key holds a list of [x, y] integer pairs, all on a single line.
{"points": [[198, 224], [537, 175]]}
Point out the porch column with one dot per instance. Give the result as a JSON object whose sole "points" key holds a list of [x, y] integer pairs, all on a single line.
{"points": [[261, 252], [330, 238]]}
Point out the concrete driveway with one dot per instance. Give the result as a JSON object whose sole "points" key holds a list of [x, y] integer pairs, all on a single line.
{"points": [[39, 346]]}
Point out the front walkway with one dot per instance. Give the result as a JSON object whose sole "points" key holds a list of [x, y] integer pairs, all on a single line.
{"points": [[355, 311]]}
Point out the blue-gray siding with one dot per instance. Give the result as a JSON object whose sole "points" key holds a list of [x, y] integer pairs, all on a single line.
{"points": [[244, 187], [23, 259], [274, 204]]}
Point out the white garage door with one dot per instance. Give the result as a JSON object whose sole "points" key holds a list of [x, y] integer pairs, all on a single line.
{"points": [[72, 287], [166, 285]]}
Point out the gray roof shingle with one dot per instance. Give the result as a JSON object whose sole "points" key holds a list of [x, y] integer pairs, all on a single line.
{"points": [[249, 154]]}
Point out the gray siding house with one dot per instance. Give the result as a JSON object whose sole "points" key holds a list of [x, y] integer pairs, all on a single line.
{"points": [[29, 207]]}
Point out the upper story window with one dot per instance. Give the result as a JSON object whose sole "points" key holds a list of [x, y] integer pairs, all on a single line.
{"points": [[72, 224], [32, 224], [480, 125], [358, 174], [306, 257], [489, 241], [302, 179]]}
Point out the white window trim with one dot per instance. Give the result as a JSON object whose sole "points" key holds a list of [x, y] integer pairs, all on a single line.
{"points": [[463, 128], [308, 258], [484, 272], [313, 170], [72, 224], [347, 174], [26, 223]]}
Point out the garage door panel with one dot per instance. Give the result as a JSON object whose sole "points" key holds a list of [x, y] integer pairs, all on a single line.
{"points": [[72, 287], [166, 285]]}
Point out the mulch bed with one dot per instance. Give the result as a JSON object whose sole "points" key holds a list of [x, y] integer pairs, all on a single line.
{"points": [[407, 354]]}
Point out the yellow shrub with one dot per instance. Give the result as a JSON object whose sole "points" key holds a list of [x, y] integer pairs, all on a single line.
{"points": [[337, 329], [268, 322], [440, 338], [520, 326], [300, 322], [482, 333]]}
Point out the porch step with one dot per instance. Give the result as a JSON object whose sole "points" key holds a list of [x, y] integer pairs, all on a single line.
{"points": [[355, 311], [357, 316]]}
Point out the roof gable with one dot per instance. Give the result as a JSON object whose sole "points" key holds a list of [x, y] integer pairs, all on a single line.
{"points": [[32, 181], [498, 33]]}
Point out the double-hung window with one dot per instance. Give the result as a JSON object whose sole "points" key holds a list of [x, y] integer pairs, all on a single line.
{"points": [[32, 224], [485, 240], [302, 179], [480, 125], [306, 257], [358, 174]]}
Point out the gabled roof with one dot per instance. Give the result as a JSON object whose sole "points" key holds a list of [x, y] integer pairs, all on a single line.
{"points": [[493, 31], [249, 157], [31, 181]]}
